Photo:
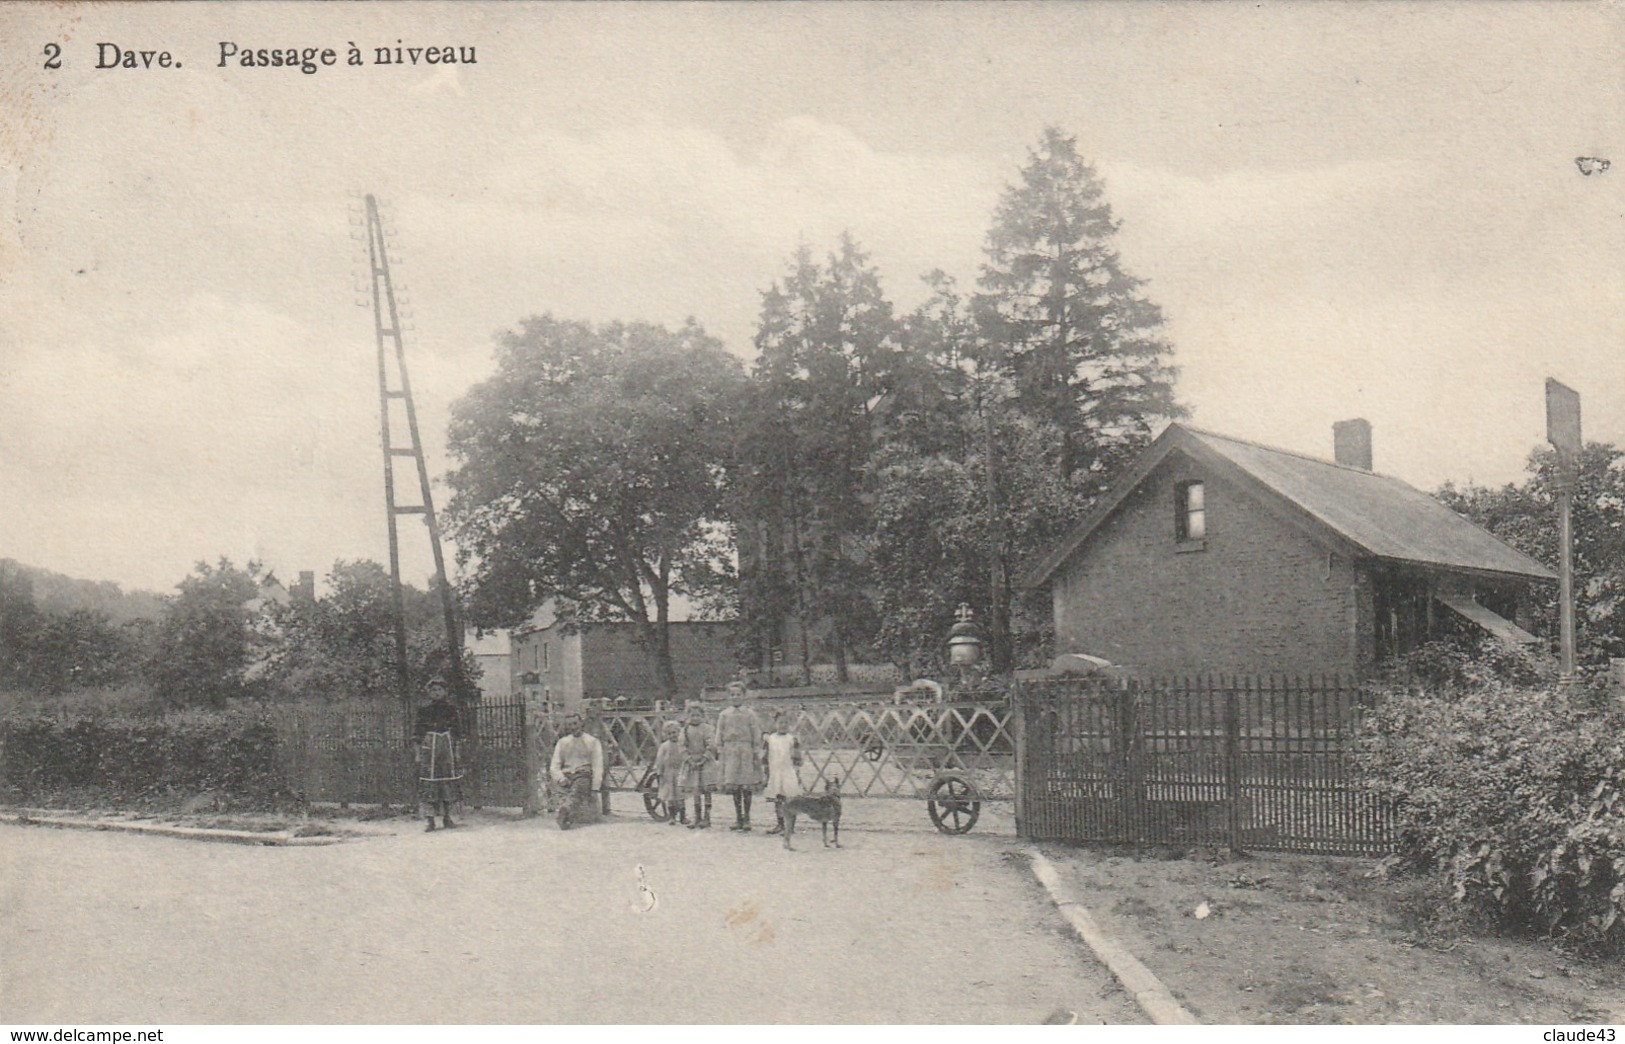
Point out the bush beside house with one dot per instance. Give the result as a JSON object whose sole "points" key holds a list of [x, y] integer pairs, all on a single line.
{"points": [[1514, 790]]}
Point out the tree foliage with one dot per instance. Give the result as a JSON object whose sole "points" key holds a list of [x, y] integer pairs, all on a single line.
{"points": [[966, 487], [1525, 516], [341, 647], [1061, 316], [892, 469], [207, 641], [54, 652], [590, 473], [827, 344]]}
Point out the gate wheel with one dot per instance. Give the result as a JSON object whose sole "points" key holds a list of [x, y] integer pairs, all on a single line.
{"points": [[954, 804], [650, 785]]}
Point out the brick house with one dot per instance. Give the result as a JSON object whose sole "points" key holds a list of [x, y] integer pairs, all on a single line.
{"points": [[556, 668], [1220, 555]]}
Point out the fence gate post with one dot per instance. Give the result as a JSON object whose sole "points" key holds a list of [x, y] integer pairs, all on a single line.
{"points": [[1232, 766], [1128, 763], [533, 760], [1018, 733]]}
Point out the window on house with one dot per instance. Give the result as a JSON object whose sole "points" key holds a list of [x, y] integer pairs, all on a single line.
{"points": [[1190, 514], [544, 658]]}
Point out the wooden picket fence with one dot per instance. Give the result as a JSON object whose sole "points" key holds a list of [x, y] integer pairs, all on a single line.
{"points": [[361, 754]]}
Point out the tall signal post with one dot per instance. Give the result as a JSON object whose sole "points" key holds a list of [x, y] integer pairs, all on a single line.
{"points": [[394, 385], [1563, 432]]}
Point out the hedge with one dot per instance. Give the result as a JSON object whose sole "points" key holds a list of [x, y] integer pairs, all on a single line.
{"points": [[235, 754]]}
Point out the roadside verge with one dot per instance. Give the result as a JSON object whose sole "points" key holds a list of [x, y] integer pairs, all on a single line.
{"points": [[236, 837], [1148, 991]]}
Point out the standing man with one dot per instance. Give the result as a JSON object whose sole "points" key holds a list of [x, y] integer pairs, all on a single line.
{"points": [[437, 733], [578, 767], [739, 744]]}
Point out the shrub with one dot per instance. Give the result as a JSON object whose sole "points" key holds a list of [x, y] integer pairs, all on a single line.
{"points": [[140, 760], [1453, 665], [1514, 792]]}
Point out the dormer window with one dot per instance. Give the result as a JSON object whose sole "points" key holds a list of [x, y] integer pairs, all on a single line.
{"points": [[1190, 513]]}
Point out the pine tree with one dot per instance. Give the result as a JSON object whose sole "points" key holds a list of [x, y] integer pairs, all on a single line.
{"points": [[1080, 342], [827, 340]]}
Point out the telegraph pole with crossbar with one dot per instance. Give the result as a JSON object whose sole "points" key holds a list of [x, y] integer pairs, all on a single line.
{"points": [[394, 386]]}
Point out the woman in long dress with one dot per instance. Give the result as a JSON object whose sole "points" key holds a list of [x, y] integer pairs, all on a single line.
{"points": [[781, 756], [437, 734]]}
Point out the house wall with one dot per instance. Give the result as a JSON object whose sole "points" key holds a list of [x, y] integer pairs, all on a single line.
{"points": [[554, 660], [606, 660], [496, 676], [1259, 596], [614, 661]]}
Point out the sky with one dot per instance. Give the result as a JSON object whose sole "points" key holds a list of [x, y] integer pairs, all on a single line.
{"points": [[1343, 210]]}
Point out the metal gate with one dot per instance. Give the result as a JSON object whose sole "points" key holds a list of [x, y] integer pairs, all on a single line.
{"points": [[951, 756], [1262, 764]]}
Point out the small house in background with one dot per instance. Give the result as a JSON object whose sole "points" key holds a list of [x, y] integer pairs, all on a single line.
{"points": [[555, 668], [1217, 555], [493, 656]]}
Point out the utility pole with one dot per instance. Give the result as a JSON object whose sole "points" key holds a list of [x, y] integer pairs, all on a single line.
{"points": [[1563, 432], [395, 386]]}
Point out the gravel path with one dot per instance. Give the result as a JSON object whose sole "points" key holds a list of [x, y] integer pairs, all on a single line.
{"points": [[511, 921]]}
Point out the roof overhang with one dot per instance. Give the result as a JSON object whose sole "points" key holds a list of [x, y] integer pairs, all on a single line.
{"points": [[1498, 626]]}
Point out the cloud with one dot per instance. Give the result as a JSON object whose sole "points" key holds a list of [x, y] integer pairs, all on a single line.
{"points": [[202, 377]]}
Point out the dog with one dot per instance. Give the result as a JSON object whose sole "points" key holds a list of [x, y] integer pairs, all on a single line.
{"points": [[825, 808]]}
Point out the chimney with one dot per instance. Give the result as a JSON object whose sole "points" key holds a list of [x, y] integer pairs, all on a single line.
{"points": [[306, 588], [1351, 441]]}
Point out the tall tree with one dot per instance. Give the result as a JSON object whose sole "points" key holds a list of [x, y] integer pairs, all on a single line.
{"points": [[965, 486], [591, 473], [341, 647], [1060, 315], [207, 641], [827, 344], [1525, 516]]}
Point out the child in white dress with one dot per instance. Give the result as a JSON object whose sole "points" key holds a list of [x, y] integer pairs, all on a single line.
{"points": [[781, 757]]}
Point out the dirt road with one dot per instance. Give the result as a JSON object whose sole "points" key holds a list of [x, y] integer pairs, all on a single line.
{"points": [[515, 922]]}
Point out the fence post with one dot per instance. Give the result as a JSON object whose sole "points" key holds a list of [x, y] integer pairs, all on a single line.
{"points": [[1018, 733], [600, 728], [533, 767], [1128, 755], [1232, 766]]}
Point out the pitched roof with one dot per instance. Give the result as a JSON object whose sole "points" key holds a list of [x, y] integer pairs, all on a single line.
{"points": [[1380, 515]]}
